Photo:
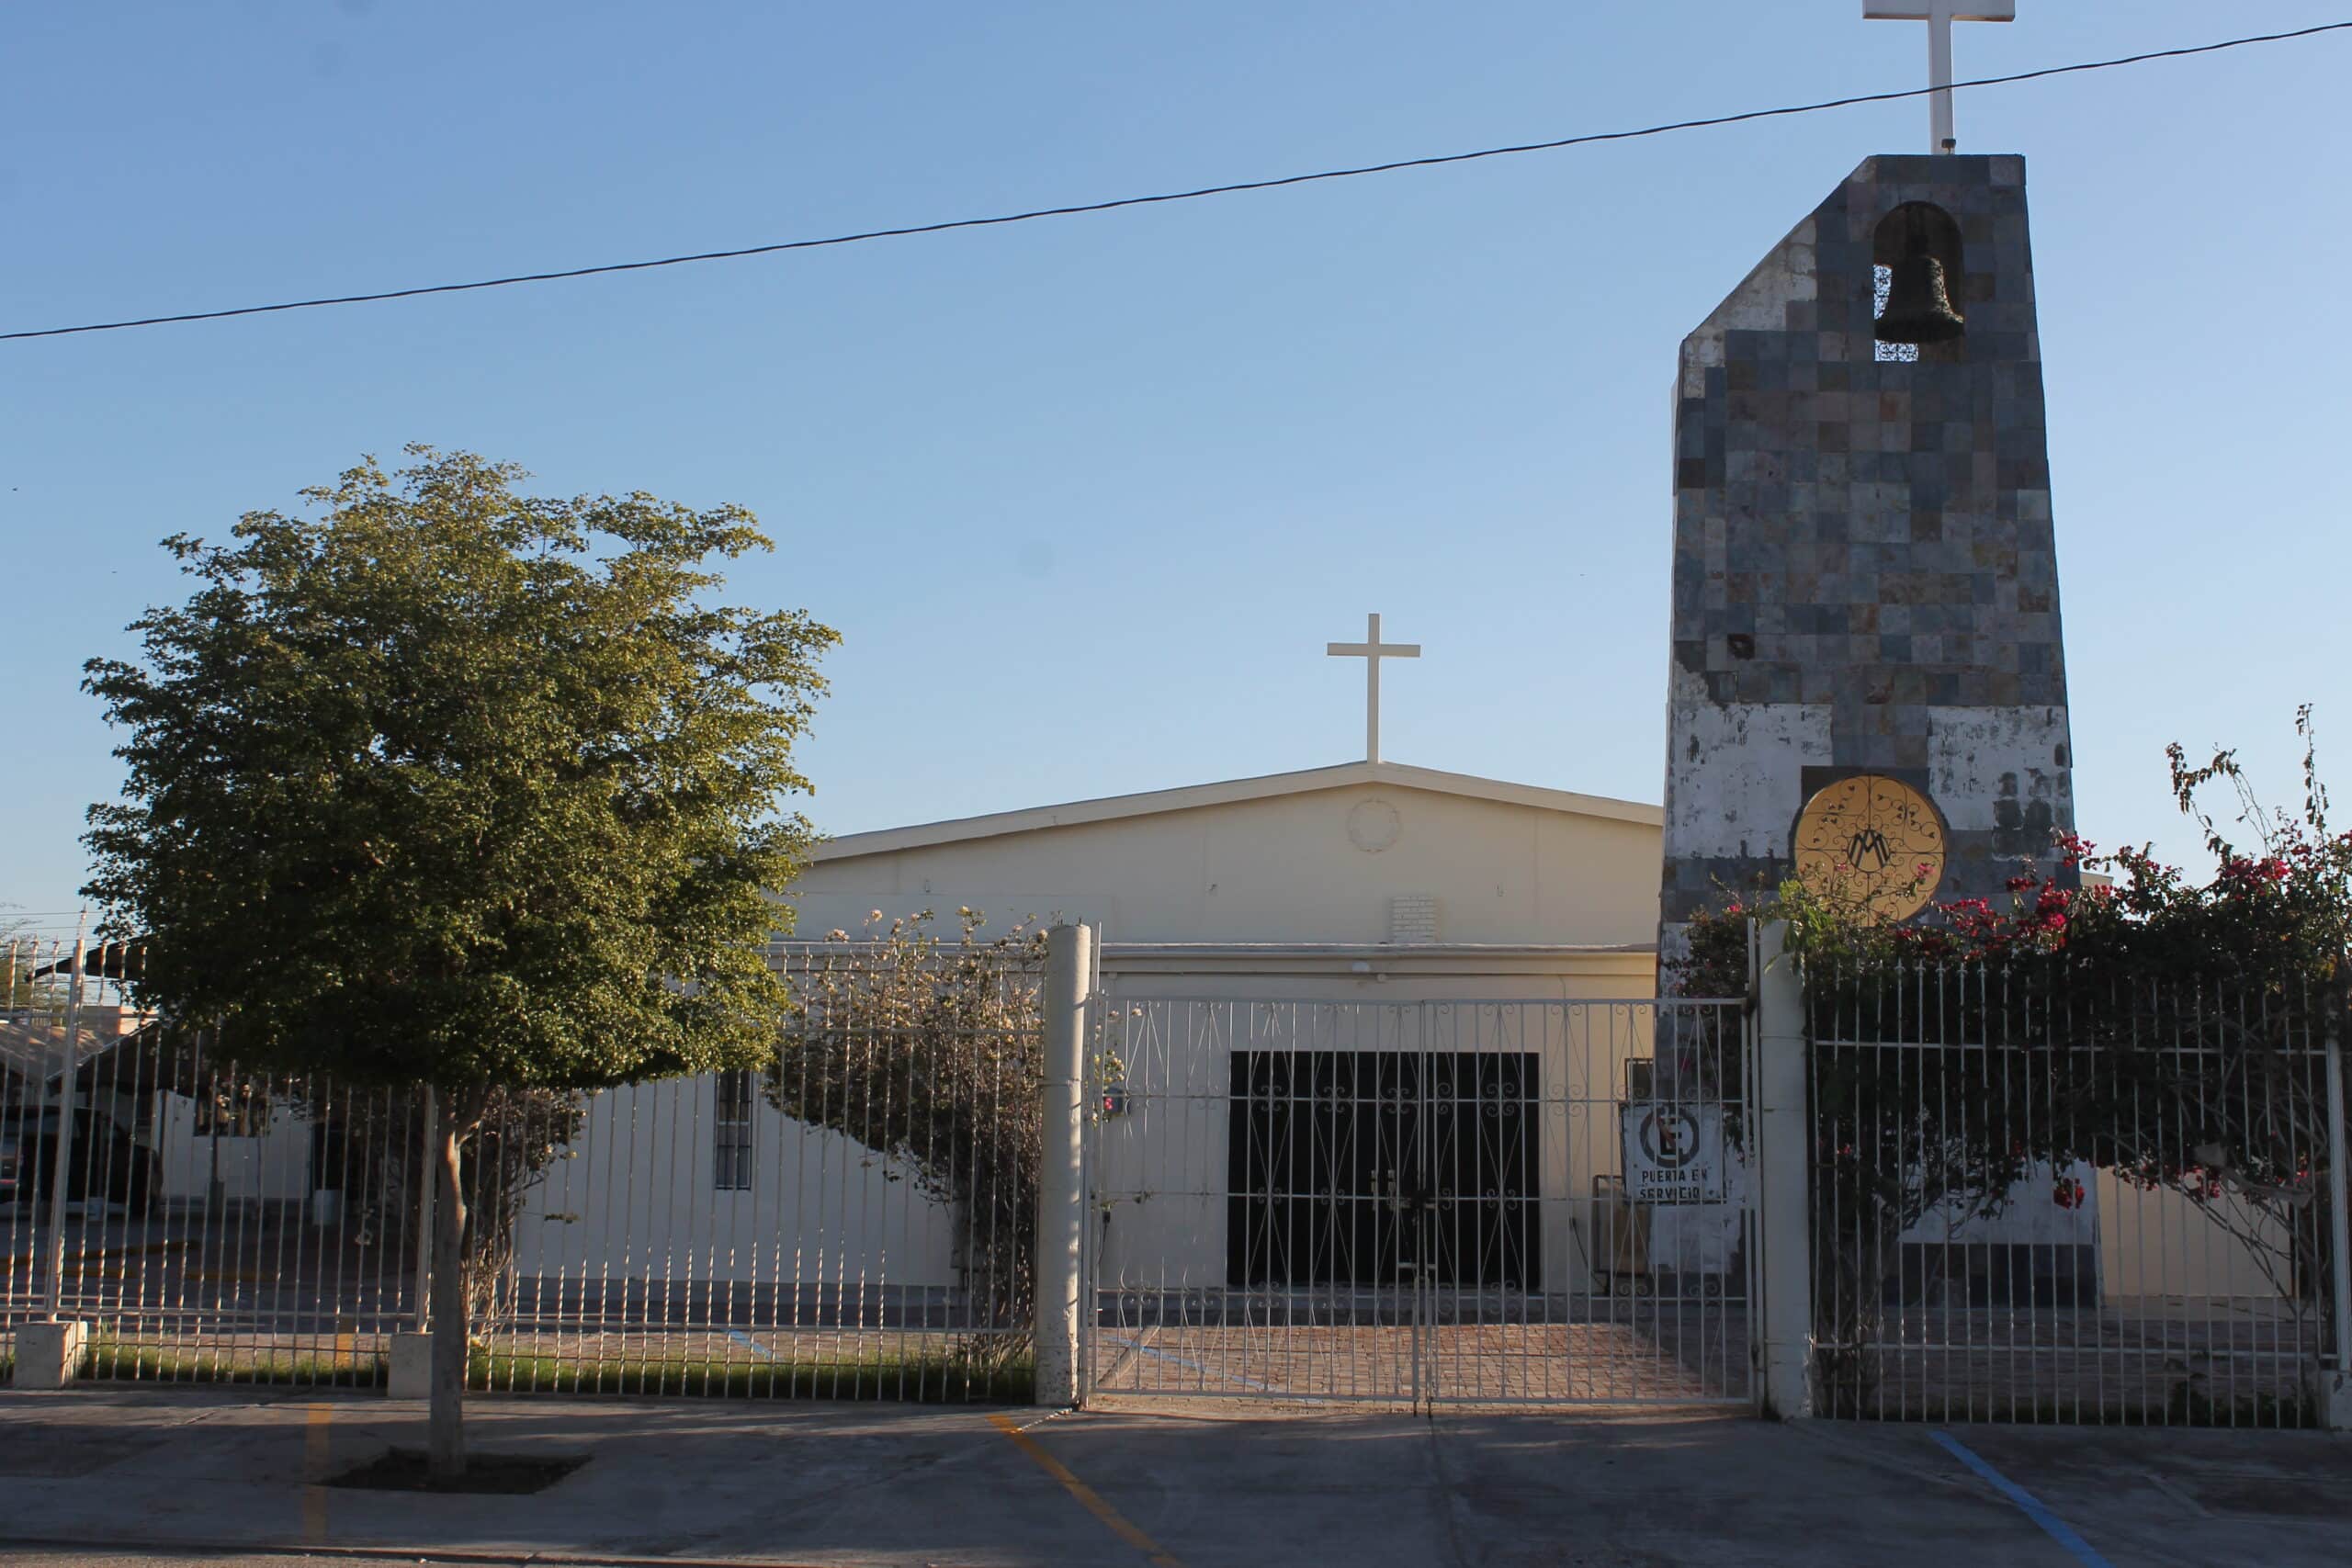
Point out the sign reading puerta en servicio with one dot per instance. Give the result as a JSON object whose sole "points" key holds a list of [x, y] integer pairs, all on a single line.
{"points": [[1674, 1151]]}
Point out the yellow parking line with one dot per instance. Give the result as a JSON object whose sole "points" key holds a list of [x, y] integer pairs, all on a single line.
{"points": [[1088, 1498], [314, 1471]]}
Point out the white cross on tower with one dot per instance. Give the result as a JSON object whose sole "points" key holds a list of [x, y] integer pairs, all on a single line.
{"points": [[1371, 650], [1940, 15]]}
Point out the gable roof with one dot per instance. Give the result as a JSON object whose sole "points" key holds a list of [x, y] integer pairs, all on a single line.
{"points": [[1268, 786]]}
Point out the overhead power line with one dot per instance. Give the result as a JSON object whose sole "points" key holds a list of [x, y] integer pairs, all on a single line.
{"points": [[1194, 195]]}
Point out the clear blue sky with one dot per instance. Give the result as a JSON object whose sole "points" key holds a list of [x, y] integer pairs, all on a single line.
{"points": [[1087, 497]]}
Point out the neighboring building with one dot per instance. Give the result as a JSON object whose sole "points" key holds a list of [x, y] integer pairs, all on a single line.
{"points": [[109, 1113]]}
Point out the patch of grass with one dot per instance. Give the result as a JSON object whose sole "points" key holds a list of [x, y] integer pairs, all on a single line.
{"points": [[928, 1377], [116, 1360], [931, 1375], [2190, 1408]]}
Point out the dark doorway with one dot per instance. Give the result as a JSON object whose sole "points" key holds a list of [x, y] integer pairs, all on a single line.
{"points": [[1355, 1168]]}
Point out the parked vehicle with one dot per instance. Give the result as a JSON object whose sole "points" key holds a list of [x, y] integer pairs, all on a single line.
{"points": [[106, 1163]]}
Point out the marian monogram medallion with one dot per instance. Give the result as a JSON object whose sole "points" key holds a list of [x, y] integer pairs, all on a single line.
{"points": [[1871, 843]]}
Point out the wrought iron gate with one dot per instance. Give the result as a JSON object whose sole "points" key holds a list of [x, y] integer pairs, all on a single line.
{"points": [[1418, 1202]]}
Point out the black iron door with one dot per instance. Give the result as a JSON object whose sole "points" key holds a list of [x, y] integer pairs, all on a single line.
{"points": [[1375, 1168]]}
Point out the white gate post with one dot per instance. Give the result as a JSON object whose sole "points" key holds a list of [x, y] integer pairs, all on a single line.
{"points": [[409, 1370], [1784, 1158], [61, 1153], [1061, 1186], [48, 1353], [2335, 1401]]}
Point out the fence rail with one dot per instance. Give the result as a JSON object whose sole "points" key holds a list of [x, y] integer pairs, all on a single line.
{"points": [[2038, 1199], [680, 1236], [2028, 1200], [1418, 1202]]}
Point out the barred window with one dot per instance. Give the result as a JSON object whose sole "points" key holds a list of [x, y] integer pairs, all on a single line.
{"points": [[731, 1134]]}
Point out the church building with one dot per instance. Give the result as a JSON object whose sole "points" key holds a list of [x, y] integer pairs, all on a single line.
{"points": [[1344, 925], [1263, 944]]}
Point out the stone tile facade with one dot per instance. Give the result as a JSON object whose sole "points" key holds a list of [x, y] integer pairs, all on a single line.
{"points": [[1865, 576]]}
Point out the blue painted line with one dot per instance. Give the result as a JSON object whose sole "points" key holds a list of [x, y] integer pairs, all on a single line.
{"points": [[1195, 1365], [756, 1348], [2052, 1524]]}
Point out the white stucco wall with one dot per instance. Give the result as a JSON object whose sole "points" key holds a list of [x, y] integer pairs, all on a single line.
{"points": [[635, 1197], [2161, 1246], [1734, 789], [1982, 758], [274, 1166], [1284, 869]]}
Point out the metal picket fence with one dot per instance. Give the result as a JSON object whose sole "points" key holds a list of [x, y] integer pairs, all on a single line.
{"points": [[1504, 1203], [2029, 1203], [2035, 1200], [681, 1237]]}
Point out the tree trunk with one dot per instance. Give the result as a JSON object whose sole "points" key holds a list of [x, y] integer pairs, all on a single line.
{"points": [[446, 1445]]}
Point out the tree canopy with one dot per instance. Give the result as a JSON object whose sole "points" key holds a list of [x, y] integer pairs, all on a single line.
{"points": [[446, 783]]}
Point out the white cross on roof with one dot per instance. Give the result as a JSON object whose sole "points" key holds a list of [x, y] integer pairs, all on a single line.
{"points": [[1940, 15], [1371, 650]]}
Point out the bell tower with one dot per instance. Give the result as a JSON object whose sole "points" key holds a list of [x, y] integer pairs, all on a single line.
{"points": [[1868, 684]]}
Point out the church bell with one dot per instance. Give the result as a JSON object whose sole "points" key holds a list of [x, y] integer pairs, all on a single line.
{"points": [[1919, 306]]}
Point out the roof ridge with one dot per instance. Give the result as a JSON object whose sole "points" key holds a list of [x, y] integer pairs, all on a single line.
{"points": [[1263, 786]]}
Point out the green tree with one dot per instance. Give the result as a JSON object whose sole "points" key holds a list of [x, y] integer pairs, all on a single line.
{"points": [[926, 1050], [445, 784]]}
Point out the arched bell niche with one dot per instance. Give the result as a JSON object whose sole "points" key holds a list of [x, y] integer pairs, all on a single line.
{"points": [[1919, 285]]}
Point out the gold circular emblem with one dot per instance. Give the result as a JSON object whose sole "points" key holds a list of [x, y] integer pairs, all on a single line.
{"points": [[1871, 843]]}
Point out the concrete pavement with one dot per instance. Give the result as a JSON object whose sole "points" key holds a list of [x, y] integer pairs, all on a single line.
{"points": [[96, 1475]]}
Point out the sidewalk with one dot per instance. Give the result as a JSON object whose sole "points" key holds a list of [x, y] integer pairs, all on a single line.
{"points": [[838, 1485]]}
